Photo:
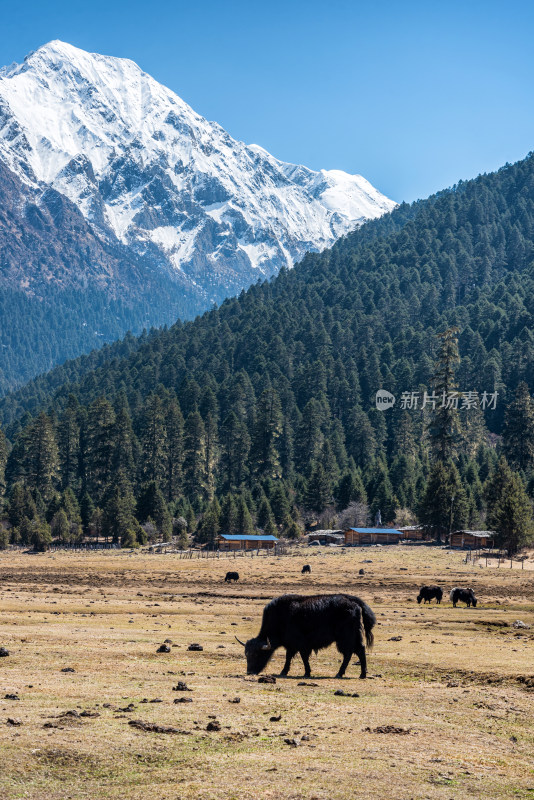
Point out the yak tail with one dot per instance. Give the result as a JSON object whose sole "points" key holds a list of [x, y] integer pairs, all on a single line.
{"points": [[367, 622], [367, 619]]}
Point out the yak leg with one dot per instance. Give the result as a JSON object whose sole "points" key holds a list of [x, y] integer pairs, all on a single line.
{"points": [[344, 664], [360, 652], [287, 665], [305, 655]]}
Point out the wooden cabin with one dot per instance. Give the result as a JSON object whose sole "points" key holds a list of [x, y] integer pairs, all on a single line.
{"points": [[415, 532], [242, 541], [357, 536], [472, 540]]}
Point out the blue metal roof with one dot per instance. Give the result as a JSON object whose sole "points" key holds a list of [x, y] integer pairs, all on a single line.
{"points": [[252, 537], [377, 530]]}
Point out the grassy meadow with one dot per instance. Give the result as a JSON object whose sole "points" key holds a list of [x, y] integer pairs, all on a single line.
{"points": [[448, 710]]}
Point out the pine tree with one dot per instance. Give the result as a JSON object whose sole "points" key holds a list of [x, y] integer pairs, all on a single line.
{"points": [[264, 517], [125, 448], [279, 502], [360, 438], [60, 526], [68, 438], [195, 457], [151, 505], [228, 521], [518, 433], [264, 452], [291, 529], [510, 511], [3, 462], [443, 507], [70, 506], [87, 508], [209, 526], [350, 490], [318, 491], [97, 523], [381, 494], [174, 453], [235, 447], [40, 536], [97, 446], [119, 521], [21, 505], [309, 437], [244, 518], [41, 466], [153, 440], [444, 425], [212, 453]]}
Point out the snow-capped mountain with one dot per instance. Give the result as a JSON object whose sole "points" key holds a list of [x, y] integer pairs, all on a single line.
{"points": [[159, 183]]}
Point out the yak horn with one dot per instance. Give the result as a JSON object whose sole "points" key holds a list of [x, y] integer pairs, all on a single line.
{"points": [[240, 642], [267, 645]]}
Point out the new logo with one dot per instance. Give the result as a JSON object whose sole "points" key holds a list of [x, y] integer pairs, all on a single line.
{"points": [[384, 400]]}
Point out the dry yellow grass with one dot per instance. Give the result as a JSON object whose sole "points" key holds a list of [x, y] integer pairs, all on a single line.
{"points": [[455, 681]]}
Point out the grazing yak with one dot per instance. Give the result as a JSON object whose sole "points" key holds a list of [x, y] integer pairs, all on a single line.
{"points": [[231, 576], [427, 593], [467, 596], [305, 624], [306, 568]]}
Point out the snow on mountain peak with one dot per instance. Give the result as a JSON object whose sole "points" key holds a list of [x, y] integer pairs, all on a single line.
{"points": [[149, 172]]}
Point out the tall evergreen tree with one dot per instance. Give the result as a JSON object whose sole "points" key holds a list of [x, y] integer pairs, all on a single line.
{"points": [[235, 446], [68, 438], [174, 453], [264, 452], [443, 507], [195, 457], [518, 433], [228, 521], [3, 462], [97, 446], [125, 448], [318, 491], [245, 524], [153, 439], [41, 456], [444, 425], [510, 511]]}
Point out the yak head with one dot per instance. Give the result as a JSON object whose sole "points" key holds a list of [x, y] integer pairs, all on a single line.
{"points": [[419, 598], [258, 653]]}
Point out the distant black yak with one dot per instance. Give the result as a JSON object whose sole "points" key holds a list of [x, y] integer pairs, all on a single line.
{"points": [[231, 576], [306, 568], [467, 596], [427, 593], [302, 624]]}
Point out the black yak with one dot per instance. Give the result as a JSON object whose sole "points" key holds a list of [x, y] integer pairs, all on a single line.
{"points": [[305, 624], [306, 568], [427, 593], [467, 596], [231, 576]]}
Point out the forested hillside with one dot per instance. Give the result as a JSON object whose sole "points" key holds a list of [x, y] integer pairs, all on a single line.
{"points": [[262, 412], [63, 290]]}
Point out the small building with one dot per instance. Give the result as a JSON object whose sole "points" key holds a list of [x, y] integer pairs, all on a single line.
{"points": [[326, 537], [245, 541], [414, 532], [357, 536], [472, 540]]}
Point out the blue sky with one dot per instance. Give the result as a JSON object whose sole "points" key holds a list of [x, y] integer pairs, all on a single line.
{"points": [[412, 95]]}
